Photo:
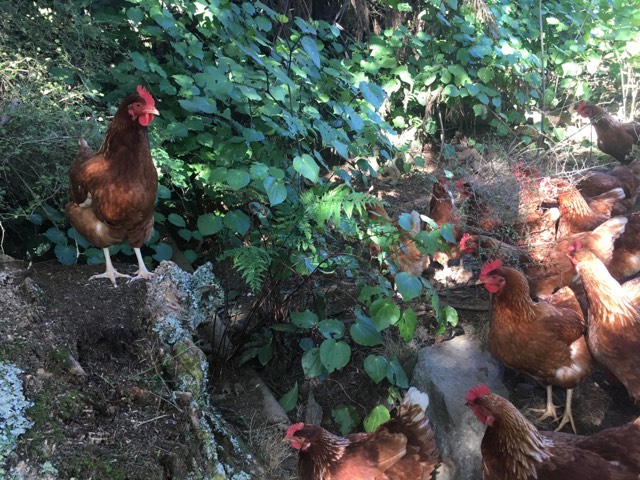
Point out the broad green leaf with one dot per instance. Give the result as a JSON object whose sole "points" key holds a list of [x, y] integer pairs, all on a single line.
{"points": [[304, 319], [331, 328], [306, 166], [185, 234], [290, 399], [365, 333], [237, 221], [73, 234], [450, 315], [311, 363], [407, 324], [66, 254], [376, 417], [347, 417], [309, 45], [276, 190], [384, 313], [486, 74], [208, 224], [396, 374], [446, 231], [372, 93], [409, 286], [135, 15], [237, 179], [163, 251], [176, 220], [376, 367], [265, 353], [56, 236], [334, 354]]}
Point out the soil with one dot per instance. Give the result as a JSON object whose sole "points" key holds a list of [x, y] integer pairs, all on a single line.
{"points": [[102, 409]]}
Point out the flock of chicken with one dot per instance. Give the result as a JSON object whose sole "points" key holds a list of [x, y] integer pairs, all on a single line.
{"points": [[566, 231], [574, 241]]}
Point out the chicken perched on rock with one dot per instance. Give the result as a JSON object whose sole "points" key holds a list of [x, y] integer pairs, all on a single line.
{"points": [[512, 448], [543, 340], [113, 191], [615, 138], [402, 448], [614, 318]]}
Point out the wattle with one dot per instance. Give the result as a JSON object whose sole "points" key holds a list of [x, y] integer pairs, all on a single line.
{"points": [[145, 119], [491, 288]]}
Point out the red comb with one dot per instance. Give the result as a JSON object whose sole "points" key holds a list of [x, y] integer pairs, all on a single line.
{"points": [[146, 96], [463, 241], [477, 392], [294, 428], [459, 184], [581, 106], [490, 267]]}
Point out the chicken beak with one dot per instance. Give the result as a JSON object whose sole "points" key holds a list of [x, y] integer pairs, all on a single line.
{"points": [[480, 281], [154, 111]]}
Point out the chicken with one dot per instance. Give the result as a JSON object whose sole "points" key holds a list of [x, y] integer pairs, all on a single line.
{"points": [[113, 191], [544, 340], [615, 138], [552, 269], [625, 260], [578, 214], [614, 318], [442, 211], [405, 255], [627, 177], [512, 448], [486, 247], [402, 448]]}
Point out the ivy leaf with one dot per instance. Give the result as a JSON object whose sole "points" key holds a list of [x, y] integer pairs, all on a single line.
{"points": [[376, 367], [309, 45], [377, 416], [237, 221], [276, 190], [407, 324], [56, 236], [304, 319], [409, 286], [306, 166], [450, 315], [289, 399], [365, 333], [384, 313], [486, 74], [334, 355], [311, 363], [347, 417], [237, 179], [396, 374], [176, 220], [372, 93], [265, 353], [163, 251], [331, 328], [66, 254], [208, 224]]}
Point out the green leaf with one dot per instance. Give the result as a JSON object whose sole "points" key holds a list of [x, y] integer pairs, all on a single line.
{"points": [[208, 224], [163, 251], [407, 324], [66, 254], [377, 416], [450, 315], [311, 363], [56, 236], [347, 417], [306, 166], [486, 74], [289, 400], [237, 179], [265, 353], [304, 319], [276, 190], [384, 313], [176, 220], [331, 328], [409, 286], [309, 45], [396, 374], [73, 234], [372, 93], [135, 15], [237, 221], [365, 333], [376, 367], [334, 355], [446, 231]]}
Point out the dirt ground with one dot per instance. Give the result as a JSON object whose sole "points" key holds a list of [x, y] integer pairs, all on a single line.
{"points": [[102, 409]]}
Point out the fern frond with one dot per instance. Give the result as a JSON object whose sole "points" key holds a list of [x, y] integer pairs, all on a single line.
{"points": [[252, 262]]}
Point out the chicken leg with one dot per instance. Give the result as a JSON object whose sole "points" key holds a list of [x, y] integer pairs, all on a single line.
{"points": [[550, 411], [110, 273], [142, 272], [567, 417]]}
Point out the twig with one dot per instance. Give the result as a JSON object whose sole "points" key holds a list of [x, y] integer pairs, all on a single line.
{"points": [[151, 420]]}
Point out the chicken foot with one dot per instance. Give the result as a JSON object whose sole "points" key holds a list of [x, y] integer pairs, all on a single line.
{"points": [[550, 411], [567, 416], [110, 273], [142, 272]]}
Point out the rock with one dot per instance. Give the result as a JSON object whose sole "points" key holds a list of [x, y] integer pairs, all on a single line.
{"points": [[445, 372]]}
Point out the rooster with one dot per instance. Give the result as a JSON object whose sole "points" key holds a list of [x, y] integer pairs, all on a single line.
{"points": [[615, 138], [113, 191], [614, 318], [544, 340], [402, 448], [512, 448]]}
